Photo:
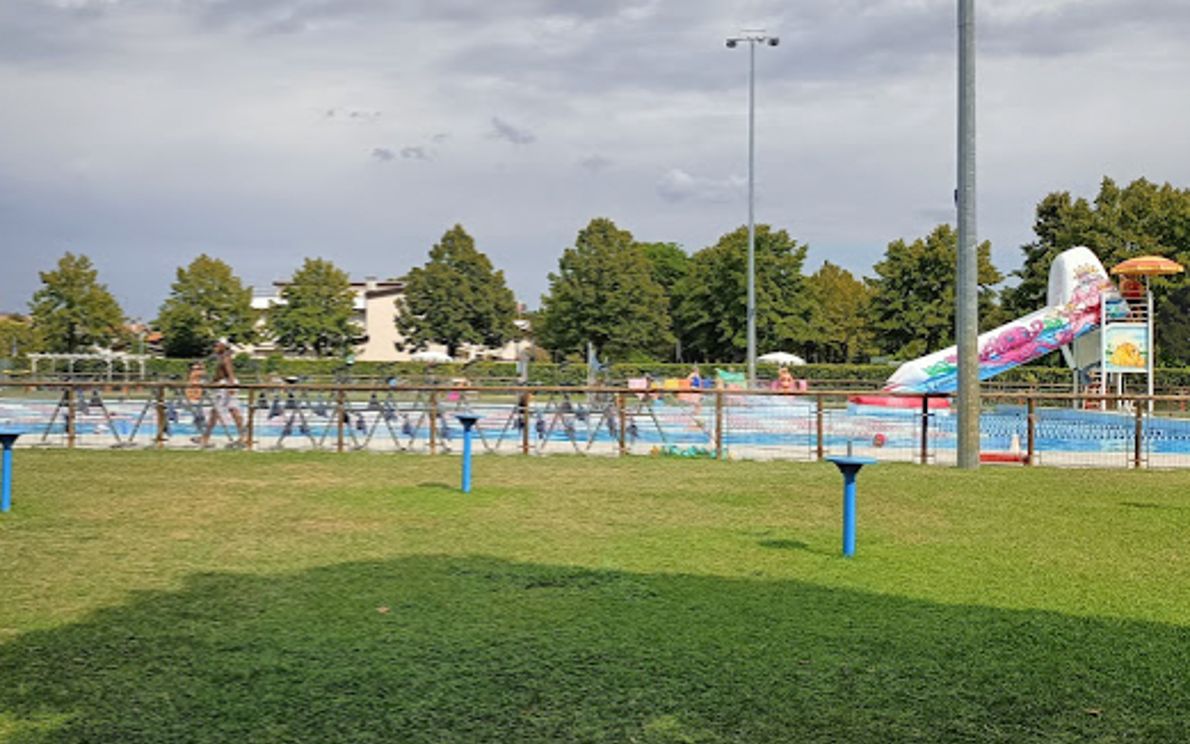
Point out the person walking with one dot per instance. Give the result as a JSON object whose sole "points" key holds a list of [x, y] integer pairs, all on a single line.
{"points": [[226, 405]]}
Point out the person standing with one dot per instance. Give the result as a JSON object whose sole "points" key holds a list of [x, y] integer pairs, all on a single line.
{"points": [[225, 404]]}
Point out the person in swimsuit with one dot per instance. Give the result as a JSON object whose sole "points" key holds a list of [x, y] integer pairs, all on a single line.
{"points": [[226, 405]]}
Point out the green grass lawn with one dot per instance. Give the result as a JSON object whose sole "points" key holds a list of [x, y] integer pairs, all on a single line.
{"points": [[242, 597]]}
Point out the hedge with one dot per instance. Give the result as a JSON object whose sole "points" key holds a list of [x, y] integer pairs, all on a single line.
{"points": [[548, 373]]}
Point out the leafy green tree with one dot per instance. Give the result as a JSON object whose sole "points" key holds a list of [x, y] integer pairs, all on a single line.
{"points": [[317, 311], [604, 293], [456, 298], [1173, 326], [713, 297], [73, 312], [1119, 223], [207, 301], [17, 337], [912, 306], [840, 330], [668, 265]]}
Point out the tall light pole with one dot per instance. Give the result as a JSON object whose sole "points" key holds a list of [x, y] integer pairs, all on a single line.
{"points": [[752, 38], [967, 269]]}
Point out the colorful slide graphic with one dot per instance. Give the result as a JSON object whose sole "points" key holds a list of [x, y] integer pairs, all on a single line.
{"points": [[1077, 286]]}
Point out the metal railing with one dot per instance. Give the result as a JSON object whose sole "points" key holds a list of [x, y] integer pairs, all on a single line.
{"points": [[1023, 428]]}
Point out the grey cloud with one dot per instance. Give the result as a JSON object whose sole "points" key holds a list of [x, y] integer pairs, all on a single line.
{"points": [[937, 215], [681, 49], [623, 43], [416, 152], [676, 186], [440, 138], [595, 163], [350, 114], [295, 16], [266, 17], [505, 131], [383, 154]]}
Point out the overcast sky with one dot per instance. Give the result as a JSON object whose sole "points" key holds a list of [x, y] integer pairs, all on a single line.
{"points": [[144, 132]]}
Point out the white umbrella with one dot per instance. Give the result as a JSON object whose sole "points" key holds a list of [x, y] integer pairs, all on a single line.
{"points": [[781, 357], [432, 357]]}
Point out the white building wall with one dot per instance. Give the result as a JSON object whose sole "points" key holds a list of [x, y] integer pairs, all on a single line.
{"points": [[376, 312]]}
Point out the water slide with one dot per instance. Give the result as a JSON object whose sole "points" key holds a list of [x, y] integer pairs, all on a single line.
{"points": [[1077, 286]]}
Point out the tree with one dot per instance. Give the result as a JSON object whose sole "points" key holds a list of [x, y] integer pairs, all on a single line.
{"points": [[668, 265], [713, 297], [17, 337], [73, 312], [456, 298], [914, 293], [317, 311], [604, 293], [1140, 219], [207, 301], [1173, 326], [839, 327]]}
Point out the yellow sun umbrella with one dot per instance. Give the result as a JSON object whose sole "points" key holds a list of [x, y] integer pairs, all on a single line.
{"points": [[1148, 266]]}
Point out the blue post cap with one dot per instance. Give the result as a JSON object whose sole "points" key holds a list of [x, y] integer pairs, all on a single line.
{"points": [[468, 420], [7, 438], [849, 465]]}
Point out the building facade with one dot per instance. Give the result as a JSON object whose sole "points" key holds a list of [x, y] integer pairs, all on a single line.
{"points": [[375, 311]]}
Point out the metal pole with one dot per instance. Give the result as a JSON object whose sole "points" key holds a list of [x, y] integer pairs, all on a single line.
{"points": [[6, 476], [159, 405], [849, 512], [925, 430], [967, 294], [466, 459], [71, 417], [1031, 432], [751, 215], [527, 404], [818, 428], [1138, 434], [1152, 341], [340, 409], [621, 413]]}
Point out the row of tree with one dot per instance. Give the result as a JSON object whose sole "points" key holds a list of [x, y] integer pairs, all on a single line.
{"points": [[653, 300], [633, 300]]}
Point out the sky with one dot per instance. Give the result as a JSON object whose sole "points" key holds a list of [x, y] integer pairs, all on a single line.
{"points": [[145, 132]]}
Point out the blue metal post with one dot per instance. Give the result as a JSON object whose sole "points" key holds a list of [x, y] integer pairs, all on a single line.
{"points": [[849, 512], [849, 466], [468, 421], [7, 439]]}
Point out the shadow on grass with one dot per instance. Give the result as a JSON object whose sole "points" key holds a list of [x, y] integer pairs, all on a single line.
{"points": [[439, 486], [466, 649], [783, 544], [1151, 505]]}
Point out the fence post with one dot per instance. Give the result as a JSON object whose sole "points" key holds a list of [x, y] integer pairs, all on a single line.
{"points": [[925, 430], [340, 411], [719, 424], [620, 415], [526, 406], [1138, 434], [433, 423], [1031, 431], [251, 443], [159, 404], [818, 428], [71, 418]]}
